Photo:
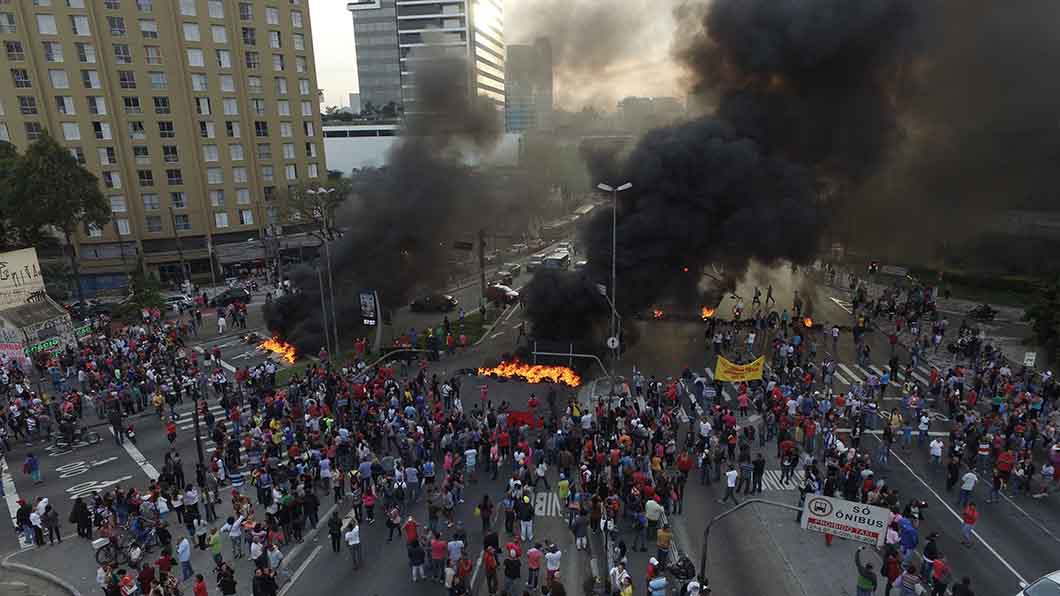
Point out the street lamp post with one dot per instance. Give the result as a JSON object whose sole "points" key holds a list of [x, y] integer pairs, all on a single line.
{"points": [[614, 268]]}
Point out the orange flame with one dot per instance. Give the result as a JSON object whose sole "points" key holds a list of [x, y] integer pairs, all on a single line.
{"points": [[807, 322], [278, 346], [706, 313], [657, 313], [534, 373]]}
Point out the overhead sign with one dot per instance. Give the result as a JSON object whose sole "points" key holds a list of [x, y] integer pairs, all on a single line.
{"points": [[1029, 358], [846, 519], [20, 277], [729, 371]]}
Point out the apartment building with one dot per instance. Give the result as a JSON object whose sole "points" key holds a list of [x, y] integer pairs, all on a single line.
{"points": [[192, 113]]}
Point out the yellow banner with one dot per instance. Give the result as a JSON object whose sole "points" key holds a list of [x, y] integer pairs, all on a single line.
{"points": [[729, 371]]}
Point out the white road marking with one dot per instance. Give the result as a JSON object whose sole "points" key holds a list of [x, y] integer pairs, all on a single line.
{"points": [[11, 496], [301, 569], [946, 504], [224, 364], [849, 372], [139, 458], [842, 305]]}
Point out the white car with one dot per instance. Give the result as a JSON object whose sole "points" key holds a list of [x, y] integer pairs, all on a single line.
{"points": [[174, 302], [1047, 585]]}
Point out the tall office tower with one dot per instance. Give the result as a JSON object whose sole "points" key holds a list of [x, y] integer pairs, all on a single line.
{"points": [[192, 113], [528, 87], [391, 35]]}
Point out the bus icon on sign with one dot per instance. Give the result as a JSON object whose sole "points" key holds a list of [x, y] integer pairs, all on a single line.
{"points": [[820, 507]]}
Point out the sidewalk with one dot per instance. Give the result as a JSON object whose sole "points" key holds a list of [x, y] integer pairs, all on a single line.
{"points": [[72, 566]]}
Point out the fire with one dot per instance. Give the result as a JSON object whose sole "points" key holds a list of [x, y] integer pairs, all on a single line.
{"points": [[534, 373], [807, 322], [278, 346], [657, 313], [706, 313]]}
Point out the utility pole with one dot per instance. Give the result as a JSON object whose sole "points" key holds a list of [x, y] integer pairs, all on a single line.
{"points": [[482, 265], [180, 249], [198, 434]]}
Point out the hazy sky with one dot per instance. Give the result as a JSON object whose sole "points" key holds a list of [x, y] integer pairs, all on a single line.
{"points": [[641, 64]]}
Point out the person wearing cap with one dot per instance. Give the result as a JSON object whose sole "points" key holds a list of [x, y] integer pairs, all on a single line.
{"points": [[525, 511], [512, 572]]}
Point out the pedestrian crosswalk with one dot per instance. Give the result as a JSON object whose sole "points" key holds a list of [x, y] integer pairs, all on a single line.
{"points": [[771, 481], [849, 374]]}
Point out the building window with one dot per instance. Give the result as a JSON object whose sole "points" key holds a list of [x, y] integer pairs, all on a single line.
{"points": [[307, 108], [90, 79], [272, 16], [220, 220], [224, 59], [250, 36], [182, 222], [109, 4], [300, 64], [309, 129], [79, 25], [210, 153], [170, 154], [254, 84], [258, 107], [288, 150], [206, 130], [274, 40], [161, 105], [53, 51], [195, 58], [144, 5], [290, 172], [310, 150], [65, 105], [148, 29], [46, 25], [5, 134], [159, 81], [132, 104], [228, 83], [127, 79], [78, 155], [122, 55], [311, 170], [71, 131], [15, 52], [216, 9], [281, 86], [174, 177], [151, 202], [286, 130], [215, 176], [217, 199], [235, 152], [299, 42], [191, 32], [153, 223], [252, 59], [267, 174], [93, 231], [232, 129], [142, 155], [202, 106], [111, 180], [219, 34], [200, 82], [264, 151], [178, 200], [296, 19], [86, 53], [97, 105], [246, 217], [261, 128], [243, 196], [153, 54], [165, 130], [303, 86], [187, 8], [239, 175], [102, 131], [33, 131], [107, 156], [123, 226], [277, 62], [283, 107], [27, 105], [246, 11], [146, 178], [42, 3], [117, 204], [117, 26], [21, 78]]}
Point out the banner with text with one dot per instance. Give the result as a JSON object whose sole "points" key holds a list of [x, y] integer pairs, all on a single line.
{"points": [[846, 519], [737, 373]]}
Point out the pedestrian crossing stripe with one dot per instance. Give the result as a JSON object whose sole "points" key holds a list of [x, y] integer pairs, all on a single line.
{"points": [[546, 503], [771, 480]]}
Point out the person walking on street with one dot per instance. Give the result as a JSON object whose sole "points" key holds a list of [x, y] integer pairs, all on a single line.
{"points": [[866, 584], [335, 532], [353, 542], [512, 572], [184, 556], [968, 519], [730, 486]]}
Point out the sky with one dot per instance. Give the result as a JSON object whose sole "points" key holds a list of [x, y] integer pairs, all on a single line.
{"points": [[644, 69]]}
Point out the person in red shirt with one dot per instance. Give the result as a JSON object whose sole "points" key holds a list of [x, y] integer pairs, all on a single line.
{"points": [[200, 586], [489, 561], [968, 520], [171, 431], [411, 529]]}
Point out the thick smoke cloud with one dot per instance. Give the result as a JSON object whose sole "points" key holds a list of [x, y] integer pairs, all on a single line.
{"points": [[403, 218], [799, 95]]}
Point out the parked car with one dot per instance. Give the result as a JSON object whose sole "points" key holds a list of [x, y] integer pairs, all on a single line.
{"points": [[434, 303], [579, 265], [518, 247], [177, 301], [504, 276], [501, 294], [88, 308], [513, 268], [1048, 585], [231, 296]]}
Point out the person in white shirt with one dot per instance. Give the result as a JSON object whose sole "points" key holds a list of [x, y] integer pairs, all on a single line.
{"points": [[618, 573], [936, 451], [234, 527], [730, 485], [353, 542], [967, 485]]}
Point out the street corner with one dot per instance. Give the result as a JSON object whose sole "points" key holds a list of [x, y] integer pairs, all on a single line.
{"points": [[65, 567]]}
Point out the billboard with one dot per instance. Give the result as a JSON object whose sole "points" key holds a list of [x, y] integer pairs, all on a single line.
{"points": [[846, 519], [20, 277]]}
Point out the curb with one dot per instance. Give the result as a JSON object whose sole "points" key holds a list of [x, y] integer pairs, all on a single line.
{"points": [[39, 573], [489, 330]]}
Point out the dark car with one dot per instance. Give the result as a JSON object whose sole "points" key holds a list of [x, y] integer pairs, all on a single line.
{"points": [[88, 309], [230, 297], [433, 303]]}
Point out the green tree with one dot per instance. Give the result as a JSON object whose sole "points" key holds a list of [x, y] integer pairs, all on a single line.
{"points": [[50, 190], [307, 205], [1044, 317]]}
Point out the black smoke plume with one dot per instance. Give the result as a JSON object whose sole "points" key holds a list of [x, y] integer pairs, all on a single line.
{"points": [[403, 218], [799, 91]]}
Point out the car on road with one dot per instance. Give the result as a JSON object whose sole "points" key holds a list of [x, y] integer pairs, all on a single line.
{"points": [[505, 277], [565, 246], [1048, 585], [513, 268], [178, 301], [501, 294], [579, 265], [433, 303], [230, 297], [518, 247], [535, 262], [88, 308]]}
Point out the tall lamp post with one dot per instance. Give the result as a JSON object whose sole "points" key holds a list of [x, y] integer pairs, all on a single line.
{"points": [[614, 283], [324, 193]]}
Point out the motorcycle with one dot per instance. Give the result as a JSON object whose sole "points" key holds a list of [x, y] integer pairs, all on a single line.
{"points": [[983, 312]]}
